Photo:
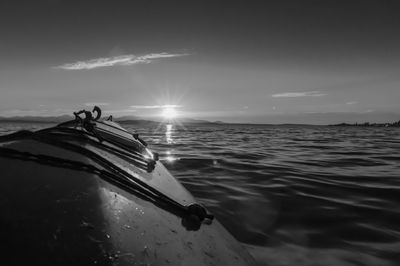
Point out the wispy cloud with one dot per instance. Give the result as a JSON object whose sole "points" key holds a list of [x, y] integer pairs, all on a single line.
{"points": [[122, 60], [98, 104], [299, 94], [352, 102], [155, 106]]}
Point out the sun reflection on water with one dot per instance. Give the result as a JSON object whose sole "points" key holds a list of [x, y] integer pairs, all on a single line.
{"points": [[169, 139], [168, 134]]}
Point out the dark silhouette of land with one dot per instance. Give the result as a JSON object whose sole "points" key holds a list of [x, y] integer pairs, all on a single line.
{"points": [[368, 124]]}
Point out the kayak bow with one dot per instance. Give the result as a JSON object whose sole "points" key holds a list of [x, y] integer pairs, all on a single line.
{"points": [[90, 192]]}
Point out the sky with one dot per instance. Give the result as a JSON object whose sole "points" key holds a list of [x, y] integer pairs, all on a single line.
{"points": [[314, 62]]}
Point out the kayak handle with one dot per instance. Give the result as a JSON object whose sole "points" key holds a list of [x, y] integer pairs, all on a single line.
{"points": [[199, 211]]}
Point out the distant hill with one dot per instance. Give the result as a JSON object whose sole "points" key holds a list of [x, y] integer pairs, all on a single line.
{"points": [[126, 118]]}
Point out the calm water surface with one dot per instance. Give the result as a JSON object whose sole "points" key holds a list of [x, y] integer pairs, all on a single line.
{"points": [[294, 195]]}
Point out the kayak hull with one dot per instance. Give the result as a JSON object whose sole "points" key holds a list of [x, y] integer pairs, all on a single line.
{"points": [[59, 216]]}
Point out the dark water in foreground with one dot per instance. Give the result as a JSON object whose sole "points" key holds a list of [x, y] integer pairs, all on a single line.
{"points": [[294, 195]]}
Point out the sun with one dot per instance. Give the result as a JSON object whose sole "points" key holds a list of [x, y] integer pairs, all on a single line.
{"points": [[169, 113]]}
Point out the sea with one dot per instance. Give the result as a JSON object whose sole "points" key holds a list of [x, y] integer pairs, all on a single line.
{"points": [[291, 194]]}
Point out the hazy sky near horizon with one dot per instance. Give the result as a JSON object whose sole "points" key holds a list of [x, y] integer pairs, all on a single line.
{"points": [[318, 61]]}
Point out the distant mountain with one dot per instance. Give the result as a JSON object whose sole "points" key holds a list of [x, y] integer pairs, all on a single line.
{"points": [[127, 118], [184, 120], [193, 121], [123, 120]]}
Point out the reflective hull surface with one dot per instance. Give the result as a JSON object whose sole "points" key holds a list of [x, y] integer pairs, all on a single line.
{"points": [[52, 215]]}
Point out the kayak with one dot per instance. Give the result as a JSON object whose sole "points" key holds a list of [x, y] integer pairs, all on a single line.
{"points": [[88, 192]]}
